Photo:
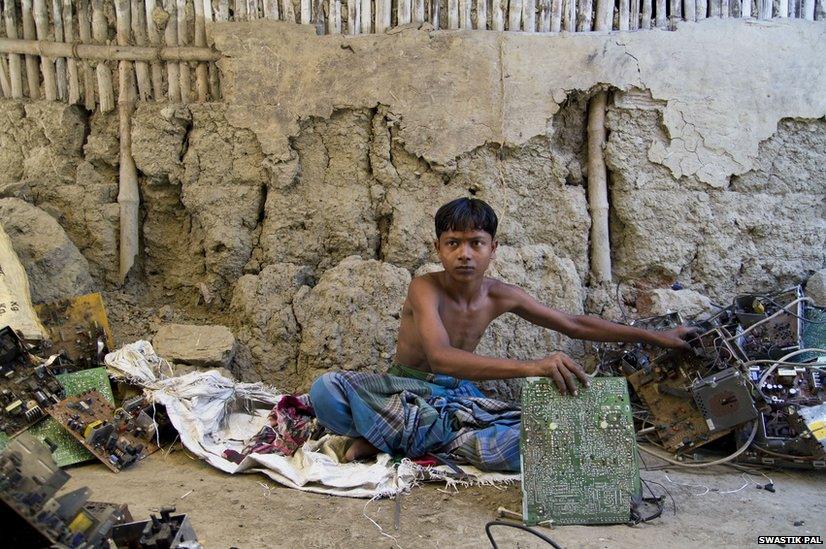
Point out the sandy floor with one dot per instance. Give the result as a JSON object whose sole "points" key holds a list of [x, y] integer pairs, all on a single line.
{"points": [[251, 511]]}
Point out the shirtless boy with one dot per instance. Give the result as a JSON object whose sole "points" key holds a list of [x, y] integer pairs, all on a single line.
{"points": [[443, 319]]}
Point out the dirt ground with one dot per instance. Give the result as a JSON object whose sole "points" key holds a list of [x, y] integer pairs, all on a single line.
{"points": [[250, 510]]}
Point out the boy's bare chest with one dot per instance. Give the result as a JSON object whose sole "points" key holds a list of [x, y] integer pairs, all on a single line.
{"points": [[465, 325]]}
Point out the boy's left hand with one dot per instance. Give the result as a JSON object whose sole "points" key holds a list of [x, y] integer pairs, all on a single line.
{"points": [[677, 338]]}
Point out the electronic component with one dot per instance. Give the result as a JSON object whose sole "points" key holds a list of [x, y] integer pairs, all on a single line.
{"points": [[165, 532], [119, 438], [724, 400], [579, 460], [27, 389], [78, 331]]}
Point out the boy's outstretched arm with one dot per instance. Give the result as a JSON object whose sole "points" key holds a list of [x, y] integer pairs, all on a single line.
{"points": [[591, 327], [445, 359]]}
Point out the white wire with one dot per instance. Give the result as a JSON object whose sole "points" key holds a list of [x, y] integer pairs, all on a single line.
{"points": [[771, 370], [704, 463], [763, 321]]}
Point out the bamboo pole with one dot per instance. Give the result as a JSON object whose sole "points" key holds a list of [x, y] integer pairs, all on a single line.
{"points": [[529, 15], [764, 9], [41, 22], [270, 8], [635, 14], [544, 15], [435, 13], [808, 10], [112, 52], [71, 62], [783, 8], [183, 40], [128, 196], [84, 31], [624, 15], [403, 11], [223, 10], [689, 10], [715, 8], [5, 85], [201, 74], [335, 17], [676, 14], [100, 30], [661, 20], [367, 15], [154, 39], [598, 189], [60, 62], [481, 14], [464, 14], [514, 15], [725, 9], [556, 15], [288, 11], [383, 14], [583, 16], [569, 15], [138, 20], [353, 17], [645, 21], [701, 9], [497, 14], [15, 68], [240, 13], [307, 11], [32, 68], [170, 37], [252, 9], [604, 19], [452, 14], [418, 11]]}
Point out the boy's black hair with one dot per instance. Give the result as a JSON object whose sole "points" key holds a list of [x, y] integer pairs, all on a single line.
{"points": [[466, 214]]}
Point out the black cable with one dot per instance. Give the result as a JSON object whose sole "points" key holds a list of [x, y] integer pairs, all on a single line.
{"points": [[520, 527], [674, 503]]}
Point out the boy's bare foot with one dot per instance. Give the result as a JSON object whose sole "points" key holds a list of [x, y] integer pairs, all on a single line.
{"points": [[360, 449]]}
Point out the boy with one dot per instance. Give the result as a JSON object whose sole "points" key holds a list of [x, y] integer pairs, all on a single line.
{"points": [[422, 406]]}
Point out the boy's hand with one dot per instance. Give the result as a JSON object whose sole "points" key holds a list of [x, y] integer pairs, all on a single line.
{"points": [[677, 338], [564, 371]]}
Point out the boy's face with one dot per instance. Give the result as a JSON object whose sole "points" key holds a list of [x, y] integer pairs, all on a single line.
{"points": [[465, 255]]}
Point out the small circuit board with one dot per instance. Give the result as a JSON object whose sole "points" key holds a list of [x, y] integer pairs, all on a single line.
{"points": [[78, 331], [579, 458], [117, 437], [26, 388]]}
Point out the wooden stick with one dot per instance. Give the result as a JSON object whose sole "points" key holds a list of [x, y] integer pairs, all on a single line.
{"points": [[71, 62], [5, 85], [201, 74], [367, 16], [112, 52], [808, 10], [515, 15], [154, 38], [661, 20], [624, 15], [15, 68], [676, 13], [583, 16], [569, 15], [529, 15], [452, 14], [252, 9], [645, 22], [556, 15], [170, 36], [465, 7], [353, 16], [32, 68], [435, 13], [288, 11], [783, 9], [689, 10], [307, 12], [84, 31], [383, 16], [497, 15], [481, 14], [635, 14], [271, 9], [715, 8], [100, 29], [604, 19], [223, 10], [60, 62], [41, 21], [128, 195], [418, 11], [183, 40], [544, 15], [240, 13], [137, 17], [725, 9], [335, 17], [701, 9], [598, 186], [403, 11]]}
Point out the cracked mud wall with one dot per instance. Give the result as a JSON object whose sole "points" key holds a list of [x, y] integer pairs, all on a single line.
{"points": [[297, 211]]}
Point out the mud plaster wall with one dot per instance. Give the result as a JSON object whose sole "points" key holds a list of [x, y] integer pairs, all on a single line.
{"points": [[297, 210]]}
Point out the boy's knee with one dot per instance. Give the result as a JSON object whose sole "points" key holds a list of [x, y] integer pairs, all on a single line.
{"points": [[331, 404]]}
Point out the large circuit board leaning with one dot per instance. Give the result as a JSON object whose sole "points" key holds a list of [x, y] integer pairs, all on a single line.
{"points": [[579, 459]]}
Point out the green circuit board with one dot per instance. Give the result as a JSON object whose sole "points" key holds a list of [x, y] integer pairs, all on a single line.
{"points": [[579, 459], [69, 451]]}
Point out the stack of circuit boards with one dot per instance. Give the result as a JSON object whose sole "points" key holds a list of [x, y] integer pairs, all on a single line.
{"points": [[579, 460]]}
